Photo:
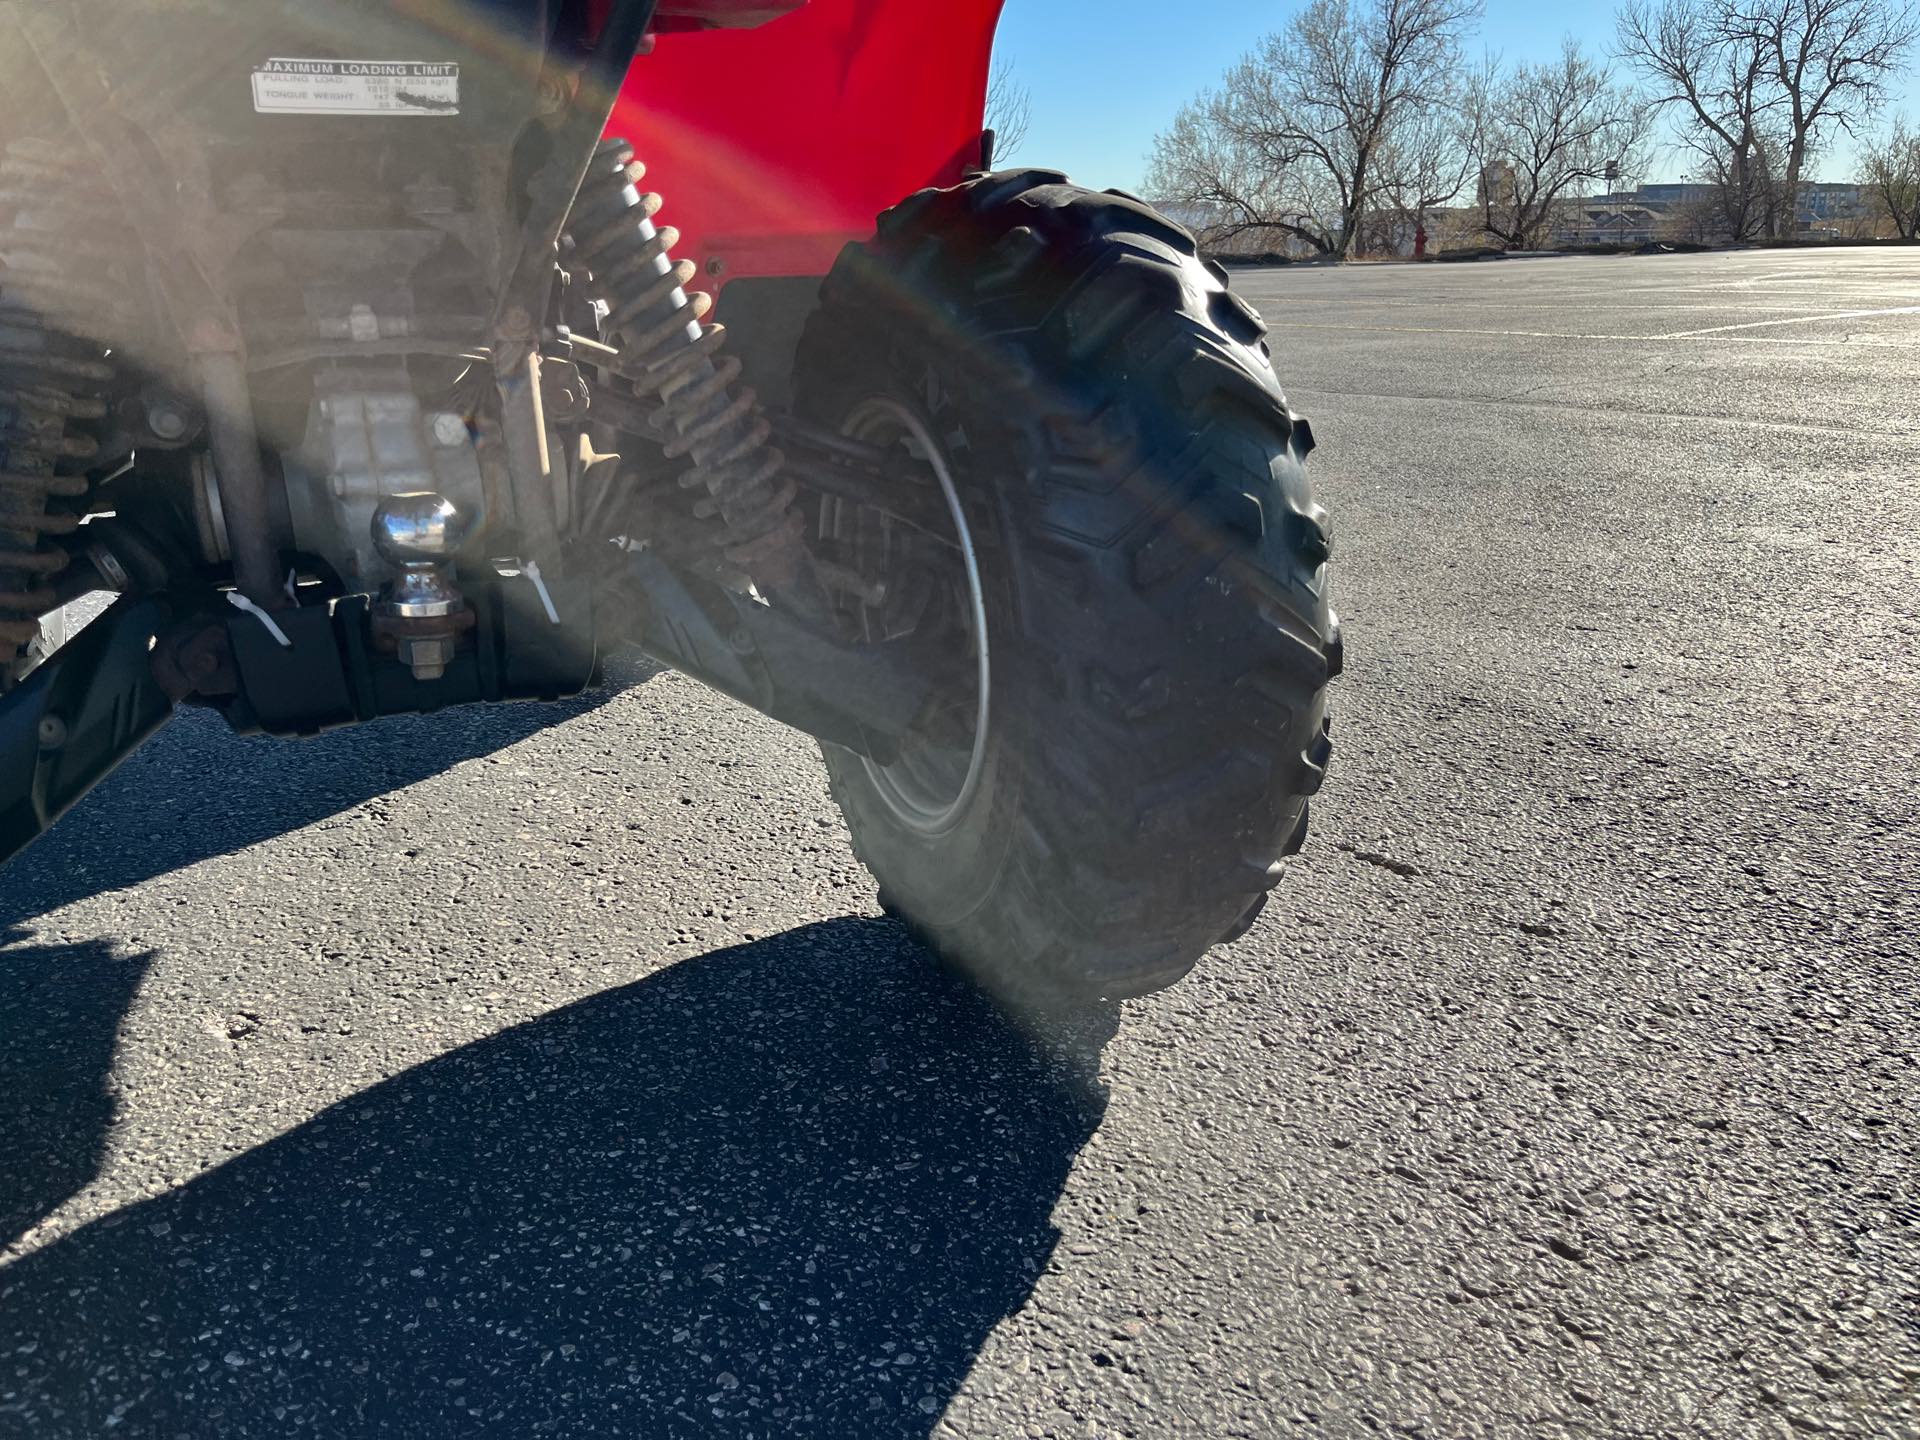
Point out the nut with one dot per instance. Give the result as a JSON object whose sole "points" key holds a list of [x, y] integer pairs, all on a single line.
{"points": [[426, 655]]}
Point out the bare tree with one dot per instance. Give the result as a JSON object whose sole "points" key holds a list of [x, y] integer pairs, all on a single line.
{"points": [[1830, 61], [1698, 63], [1693, 220], [1745, 189], [1539, 130], [1425, 161], [1761, 83], [1009, 109], [1233, 192], [1292, 141], [1890, 169]]}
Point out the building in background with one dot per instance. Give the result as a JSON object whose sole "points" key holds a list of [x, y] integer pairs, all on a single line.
{"points": [[1685, 211]]}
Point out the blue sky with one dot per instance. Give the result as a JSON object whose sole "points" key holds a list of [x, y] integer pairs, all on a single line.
{"points": [[1107, 76]]}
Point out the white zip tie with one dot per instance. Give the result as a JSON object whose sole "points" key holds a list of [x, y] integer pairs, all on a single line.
{"points": [[532, 571], [241, 602]]}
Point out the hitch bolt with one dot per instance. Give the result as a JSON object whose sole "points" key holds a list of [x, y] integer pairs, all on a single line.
{"points": [[166, 420]]}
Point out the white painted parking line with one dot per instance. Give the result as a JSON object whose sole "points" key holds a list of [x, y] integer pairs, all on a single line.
{"points": [[1560, 303], [1721, 331], [1800, 426], [1801, 320]]}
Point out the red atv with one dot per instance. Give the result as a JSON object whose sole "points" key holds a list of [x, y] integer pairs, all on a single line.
{"points": [[338, 341]]}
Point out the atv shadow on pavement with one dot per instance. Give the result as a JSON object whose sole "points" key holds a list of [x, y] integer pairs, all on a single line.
{"points": [[196, 791], [60, 1012], [784, 1188]]}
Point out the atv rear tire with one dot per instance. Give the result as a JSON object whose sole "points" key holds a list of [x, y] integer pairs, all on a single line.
{"points": [[1150, 571]]}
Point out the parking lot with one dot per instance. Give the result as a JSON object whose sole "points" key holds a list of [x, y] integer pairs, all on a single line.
{"points": [[551, 1071]]}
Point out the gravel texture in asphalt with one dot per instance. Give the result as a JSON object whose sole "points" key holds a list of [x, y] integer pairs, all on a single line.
{"points": [[550, 1070]]}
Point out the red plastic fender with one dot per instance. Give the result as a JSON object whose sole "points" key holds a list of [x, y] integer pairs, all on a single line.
{"points": [[775, 146]]}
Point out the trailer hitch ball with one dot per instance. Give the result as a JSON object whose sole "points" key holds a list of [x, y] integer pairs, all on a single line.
{"points": [[421, 612]]}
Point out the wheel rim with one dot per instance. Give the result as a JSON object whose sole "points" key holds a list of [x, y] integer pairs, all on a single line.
{"points": [[931, 783]]}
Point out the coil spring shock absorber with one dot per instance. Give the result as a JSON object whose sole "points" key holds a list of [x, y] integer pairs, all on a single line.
{"points": [[669, 354], [60, 282]]}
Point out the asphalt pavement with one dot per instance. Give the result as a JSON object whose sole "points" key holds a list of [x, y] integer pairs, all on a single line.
{"points": [[551, 1071]]}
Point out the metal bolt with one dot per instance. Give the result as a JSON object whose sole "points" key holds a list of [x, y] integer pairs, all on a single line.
{"points": [[53, 732], [109, 566], [427, 655], [562, 402], [166, 420], [552, 94]]}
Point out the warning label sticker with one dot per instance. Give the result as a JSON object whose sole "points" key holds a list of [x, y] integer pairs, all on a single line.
{"points": [[356, 87]]}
